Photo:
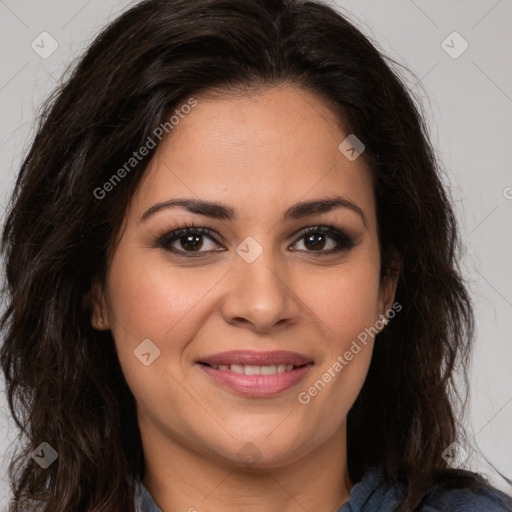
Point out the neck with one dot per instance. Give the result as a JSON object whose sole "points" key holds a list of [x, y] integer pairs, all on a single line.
{"points": [[181, 478]]}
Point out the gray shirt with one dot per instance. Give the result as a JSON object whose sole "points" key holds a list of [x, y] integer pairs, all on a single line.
{"points": [[373, 494]]}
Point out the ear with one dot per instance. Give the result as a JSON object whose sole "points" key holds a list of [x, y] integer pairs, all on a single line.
{"points": [[388, 286], [99, 316]]}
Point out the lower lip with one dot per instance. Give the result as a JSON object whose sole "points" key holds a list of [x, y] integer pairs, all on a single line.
{"points": [[257, 385]]}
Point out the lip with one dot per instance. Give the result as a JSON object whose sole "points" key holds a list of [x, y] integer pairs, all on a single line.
{"points": [[249, 357], [257, 385]]}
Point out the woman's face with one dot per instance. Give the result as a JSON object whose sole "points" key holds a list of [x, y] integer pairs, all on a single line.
{"points": [[256, 281]]}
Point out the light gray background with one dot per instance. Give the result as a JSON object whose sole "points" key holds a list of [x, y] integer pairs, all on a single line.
{"points": [[468, 103]]}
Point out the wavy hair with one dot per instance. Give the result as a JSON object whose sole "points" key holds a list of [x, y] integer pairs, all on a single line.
{"points": [[64, 382]]}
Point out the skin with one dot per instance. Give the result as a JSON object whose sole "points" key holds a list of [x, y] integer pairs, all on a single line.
{"points": [[258, 153]]}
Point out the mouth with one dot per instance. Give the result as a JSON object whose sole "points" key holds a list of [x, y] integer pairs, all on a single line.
{"points": [[248, 369], [257, 374]]}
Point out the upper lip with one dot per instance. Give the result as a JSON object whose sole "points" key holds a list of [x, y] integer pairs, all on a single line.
{"points": [[248, 357]]}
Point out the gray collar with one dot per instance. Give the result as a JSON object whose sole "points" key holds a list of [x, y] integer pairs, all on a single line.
{"points": [[144, 502], [360, 495]]}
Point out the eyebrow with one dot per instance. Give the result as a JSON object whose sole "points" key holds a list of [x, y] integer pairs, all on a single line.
{"points": [[219, 211]]}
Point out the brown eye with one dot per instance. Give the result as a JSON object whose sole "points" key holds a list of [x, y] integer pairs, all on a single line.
{"points": [[316, 239], [191, 241], [187, 241]]}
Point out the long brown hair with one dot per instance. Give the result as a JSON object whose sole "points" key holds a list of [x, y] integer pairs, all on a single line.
{"points": [[64, 382]]}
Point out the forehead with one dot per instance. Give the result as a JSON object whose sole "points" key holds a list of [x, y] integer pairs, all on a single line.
{"points": [[259, 153]]}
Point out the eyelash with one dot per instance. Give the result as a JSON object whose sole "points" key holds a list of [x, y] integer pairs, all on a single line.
{"points": [[343, 241]]}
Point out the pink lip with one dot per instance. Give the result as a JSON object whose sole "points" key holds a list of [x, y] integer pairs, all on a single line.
{"points": [[257, 385], [250, 357]]}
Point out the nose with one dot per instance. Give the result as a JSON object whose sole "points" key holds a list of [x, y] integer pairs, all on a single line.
{"points": [[259, 295]]}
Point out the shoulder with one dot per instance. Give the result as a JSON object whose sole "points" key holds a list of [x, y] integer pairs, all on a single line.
{"points": [[468, 494], [474, 498]]}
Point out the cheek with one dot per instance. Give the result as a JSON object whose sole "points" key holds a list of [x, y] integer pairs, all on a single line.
{"points": [[346, 302], [152, 301], [345, 299], [149, 299]]}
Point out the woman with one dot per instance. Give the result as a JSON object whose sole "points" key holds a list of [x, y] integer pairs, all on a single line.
{"points": [[231, 276]]}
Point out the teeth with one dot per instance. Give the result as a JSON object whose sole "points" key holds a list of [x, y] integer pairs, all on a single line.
{"points": [[268, 370], [255, 370], [252, 370]]}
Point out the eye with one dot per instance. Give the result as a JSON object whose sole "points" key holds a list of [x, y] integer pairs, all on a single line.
{"points": [[189, 242], [315, 240]]}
